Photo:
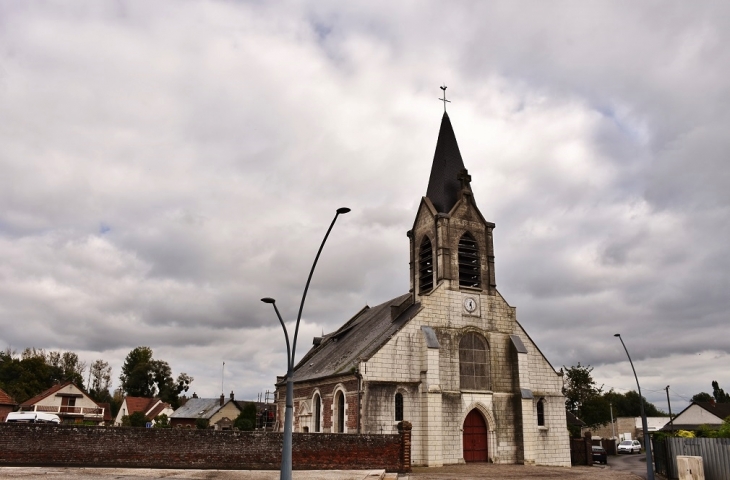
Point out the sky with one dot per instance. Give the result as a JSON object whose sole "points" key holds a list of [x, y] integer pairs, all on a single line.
{"points": [[165, 165]]}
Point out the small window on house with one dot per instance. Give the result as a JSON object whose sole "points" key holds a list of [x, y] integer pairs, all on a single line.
{"points": [[469, 268], [474, 363], [425, 266], [398, 407], [541, 413], [317, 413]]}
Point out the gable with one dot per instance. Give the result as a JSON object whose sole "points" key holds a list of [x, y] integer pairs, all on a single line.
{"points": [[697, 415], [53, 396]]}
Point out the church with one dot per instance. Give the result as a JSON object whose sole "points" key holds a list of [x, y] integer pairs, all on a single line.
{"points": [[449, 356]]}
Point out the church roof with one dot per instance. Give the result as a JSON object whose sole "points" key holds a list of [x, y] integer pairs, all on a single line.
{"points": [[444, 184], [357, 340]]}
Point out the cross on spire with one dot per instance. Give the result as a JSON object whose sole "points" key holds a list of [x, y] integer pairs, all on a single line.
{"points": [[444, 99]]}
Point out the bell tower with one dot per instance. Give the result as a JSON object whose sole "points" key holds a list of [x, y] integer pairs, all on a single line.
{"points": [[451, 242]]}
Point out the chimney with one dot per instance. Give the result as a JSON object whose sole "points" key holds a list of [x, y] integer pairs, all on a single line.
{"points": [[223, 399], [231, 395], [195, 395]]}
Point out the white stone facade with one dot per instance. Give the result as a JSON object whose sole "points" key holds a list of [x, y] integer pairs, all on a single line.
{"points": [[511, 397]]}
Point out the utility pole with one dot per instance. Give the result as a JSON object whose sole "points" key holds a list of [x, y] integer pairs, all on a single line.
{"points": [[671, 420]]}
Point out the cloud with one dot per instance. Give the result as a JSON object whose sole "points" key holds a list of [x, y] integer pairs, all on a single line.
{"points": [[166, 165]]}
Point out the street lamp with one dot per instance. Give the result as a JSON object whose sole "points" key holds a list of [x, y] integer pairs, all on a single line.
{"points": [[286, 453], [647, 444]]}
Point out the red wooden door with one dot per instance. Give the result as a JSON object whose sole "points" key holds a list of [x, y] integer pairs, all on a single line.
{"points": [[475, 438]]}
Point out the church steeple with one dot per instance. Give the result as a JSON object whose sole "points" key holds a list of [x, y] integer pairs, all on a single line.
{"points": [[445, 183], [451, 242]]}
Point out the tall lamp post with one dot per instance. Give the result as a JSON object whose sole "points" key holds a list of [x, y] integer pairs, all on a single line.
{"points": [[286, 453], [647, 444]]}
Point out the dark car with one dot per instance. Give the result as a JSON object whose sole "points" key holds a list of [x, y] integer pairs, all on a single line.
{"points": [[599, 455]]}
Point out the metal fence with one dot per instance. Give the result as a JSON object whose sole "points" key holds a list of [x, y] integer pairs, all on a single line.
{"points": [[715, 453]]}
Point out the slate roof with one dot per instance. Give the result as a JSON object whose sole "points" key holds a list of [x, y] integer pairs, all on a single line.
{"points": [[6, 399], [444, 184], [571, 419], [200, 408], [720, 410], [358, 339]]}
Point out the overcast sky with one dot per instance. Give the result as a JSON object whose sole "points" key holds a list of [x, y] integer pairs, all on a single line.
{"points": [[164, 165]]}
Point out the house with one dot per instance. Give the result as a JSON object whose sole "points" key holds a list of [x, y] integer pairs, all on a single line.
{"points": [[700, 413], [219, 412], [448, 356], [7, 405], [627, 428], [151, 407], [67, 401]]}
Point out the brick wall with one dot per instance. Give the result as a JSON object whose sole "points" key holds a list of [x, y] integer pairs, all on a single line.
{"points": [[68, 445]]}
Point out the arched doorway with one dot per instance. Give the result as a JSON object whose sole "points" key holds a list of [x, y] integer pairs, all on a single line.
{"points": [[475, 438]]}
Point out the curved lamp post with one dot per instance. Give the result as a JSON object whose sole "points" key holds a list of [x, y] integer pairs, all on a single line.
{"points": [[286, 453], [647, 443]]}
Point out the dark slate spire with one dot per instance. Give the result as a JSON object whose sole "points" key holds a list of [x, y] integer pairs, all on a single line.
{"points": [[444, 184]]}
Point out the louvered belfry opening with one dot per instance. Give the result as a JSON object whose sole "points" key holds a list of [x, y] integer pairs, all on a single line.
{"points": [[425, 267], [473, 363], [469, 262]]}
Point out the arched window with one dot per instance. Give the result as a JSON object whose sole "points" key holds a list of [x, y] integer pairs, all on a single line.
{"points": [[469, 268], [425, 266], [474, 363], [399, 407], [340, 412], [541, 413], [317, 412]]}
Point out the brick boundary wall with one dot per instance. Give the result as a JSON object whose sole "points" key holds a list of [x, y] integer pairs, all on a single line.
{"points": [[81, 446]]}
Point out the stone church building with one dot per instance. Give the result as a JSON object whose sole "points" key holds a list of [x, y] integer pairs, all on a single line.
{"points": [[448, 356]]}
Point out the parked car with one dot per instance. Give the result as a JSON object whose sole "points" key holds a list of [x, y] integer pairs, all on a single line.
{"points": [[600, 455], [629, 446], [32, 417]]}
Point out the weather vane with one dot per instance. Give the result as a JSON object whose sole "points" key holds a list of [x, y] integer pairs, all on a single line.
{"points": [[444, 99]]}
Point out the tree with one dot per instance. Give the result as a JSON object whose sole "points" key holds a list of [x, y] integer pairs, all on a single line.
{"points": [[583, 398], [136, 377], [143, 376], [101, 378], [33, 371], [162, 421], [719, 393], [702, 397], [246, 420]]}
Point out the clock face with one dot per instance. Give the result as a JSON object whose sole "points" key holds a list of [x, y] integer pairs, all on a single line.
{"points": [[470, 304]]}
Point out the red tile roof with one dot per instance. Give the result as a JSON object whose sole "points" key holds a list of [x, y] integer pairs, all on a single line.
{"points": [[145, 405], [107, 412], [6, 399], [45, 394]]}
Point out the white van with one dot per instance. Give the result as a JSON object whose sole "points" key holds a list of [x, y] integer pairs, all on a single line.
{"points": [[32, 417]]}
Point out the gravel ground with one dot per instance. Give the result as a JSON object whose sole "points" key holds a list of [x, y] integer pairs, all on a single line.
{"points": [[491, 471]]}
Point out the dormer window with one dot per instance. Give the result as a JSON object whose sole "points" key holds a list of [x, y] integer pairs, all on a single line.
{"points": [[469, 268], [425, 266]]}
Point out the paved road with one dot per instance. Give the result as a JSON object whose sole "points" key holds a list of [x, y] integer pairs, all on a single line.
{"points": [[484, 471], [629, 463]]}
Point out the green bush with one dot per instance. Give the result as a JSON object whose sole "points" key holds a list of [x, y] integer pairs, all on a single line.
{"points": [[201, 423]]}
